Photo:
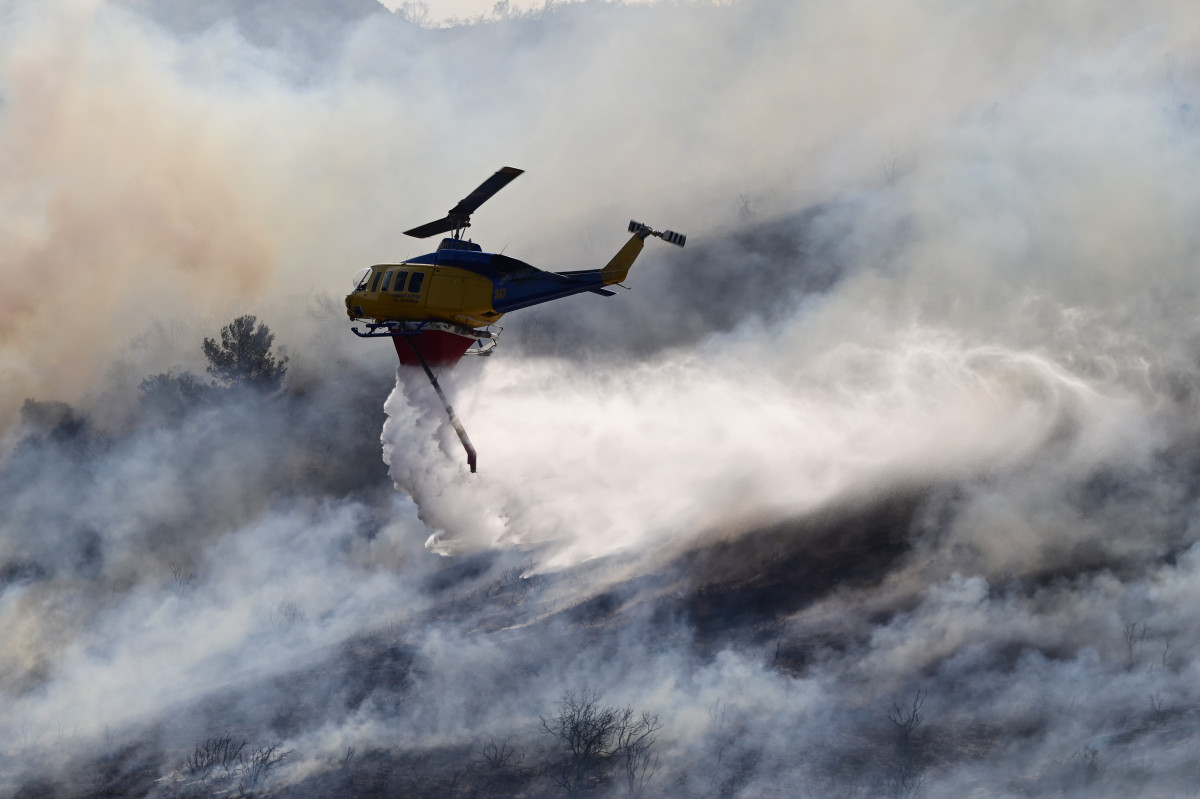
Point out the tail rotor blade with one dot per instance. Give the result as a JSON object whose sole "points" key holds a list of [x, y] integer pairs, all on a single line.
{"points": [[669, 236]]}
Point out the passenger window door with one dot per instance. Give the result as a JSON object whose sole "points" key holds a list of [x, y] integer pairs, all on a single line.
{"points": [[415, 281], [400, 278]]}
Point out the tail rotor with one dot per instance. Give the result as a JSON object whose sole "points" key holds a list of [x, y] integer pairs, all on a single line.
{"points": [[642, 231]]}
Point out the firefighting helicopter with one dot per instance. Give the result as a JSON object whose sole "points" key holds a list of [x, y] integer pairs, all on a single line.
{"points": [[440, 306]]}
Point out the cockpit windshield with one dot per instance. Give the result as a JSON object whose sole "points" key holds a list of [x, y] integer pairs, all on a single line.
{"points": [[361, 277]]}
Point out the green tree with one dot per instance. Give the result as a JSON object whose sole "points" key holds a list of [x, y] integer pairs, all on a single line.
{"points": [[243, 356]]}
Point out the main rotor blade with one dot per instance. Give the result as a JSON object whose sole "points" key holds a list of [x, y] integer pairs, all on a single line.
{"points": [[495, 183], [460, 215], [443, 225]]}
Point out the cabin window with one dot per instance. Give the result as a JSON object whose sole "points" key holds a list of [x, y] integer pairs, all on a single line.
{"points": [[387, 278], [375, 282], [361, 277], [400, 276], [414, 282]]}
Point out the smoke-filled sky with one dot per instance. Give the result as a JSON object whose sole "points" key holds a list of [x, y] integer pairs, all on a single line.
{"points": [[449, 12], [912, 414], [177, 169]]}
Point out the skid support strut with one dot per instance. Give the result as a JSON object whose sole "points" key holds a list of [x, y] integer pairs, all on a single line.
{"points": [[457, 425]]}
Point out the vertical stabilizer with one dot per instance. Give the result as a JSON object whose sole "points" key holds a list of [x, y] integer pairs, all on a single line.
{"points": [[618, 268]]}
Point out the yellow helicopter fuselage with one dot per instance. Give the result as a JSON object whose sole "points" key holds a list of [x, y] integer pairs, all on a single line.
{"points": [[423, 292]]}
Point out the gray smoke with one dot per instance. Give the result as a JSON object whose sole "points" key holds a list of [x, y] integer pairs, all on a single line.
{"points": [[883, 486]]}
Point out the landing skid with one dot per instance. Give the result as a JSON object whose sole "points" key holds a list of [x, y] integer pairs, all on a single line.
{"points": [[388, 329]]}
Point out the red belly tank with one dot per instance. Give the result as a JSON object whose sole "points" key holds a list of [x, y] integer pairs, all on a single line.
{"points": [[439, 348]]}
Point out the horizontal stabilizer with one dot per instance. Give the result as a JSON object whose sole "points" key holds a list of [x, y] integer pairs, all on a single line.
{"points": [[603, 292]]}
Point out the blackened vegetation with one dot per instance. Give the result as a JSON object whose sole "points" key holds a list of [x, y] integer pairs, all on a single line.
{"points": [[584, 744], [587, 748], [375, 668], [223, 766], [167, 397], [905, 776], [127, 773], [593, 741], [498, 769], [460, 572], [738, 594], [740, 588], [52, 421]]}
